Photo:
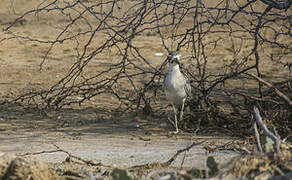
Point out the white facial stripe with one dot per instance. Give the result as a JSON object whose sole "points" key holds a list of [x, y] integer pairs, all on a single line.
{"points": [[176, 56]]}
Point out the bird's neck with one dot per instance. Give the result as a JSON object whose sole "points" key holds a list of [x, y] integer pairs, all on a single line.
{"points": [[174, 68]]}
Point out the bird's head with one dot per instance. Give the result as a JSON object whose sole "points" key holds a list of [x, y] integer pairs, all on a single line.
{"points": [[173, 57]]}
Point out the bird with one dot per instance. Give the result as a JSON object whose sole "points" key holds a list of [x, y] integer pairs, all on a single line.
{"points": [[176, 87]]}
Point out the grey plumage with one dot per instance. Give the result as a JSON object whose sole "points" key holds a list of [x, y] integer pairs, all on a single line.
{"points": [[176, 85]]}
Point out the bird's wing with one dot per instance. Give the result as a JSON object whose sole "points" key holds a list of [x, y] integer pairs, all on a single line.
{"points": [[164, 83], [188, 87]]}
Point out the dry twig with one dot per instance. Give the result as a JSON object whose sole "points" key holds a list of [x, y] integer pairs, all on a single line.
{"points": [[267, 132], [279, 93], [256, 133], [167, 163], [70, 155]]}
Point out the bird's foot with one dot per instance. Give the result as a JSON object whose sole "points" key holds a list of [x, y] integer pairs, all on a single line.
{"points": [[174, 132]]}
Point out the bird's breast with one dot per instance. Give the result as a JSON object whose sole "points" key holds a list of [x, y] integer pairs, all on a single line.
{"points": [[174, 87]]}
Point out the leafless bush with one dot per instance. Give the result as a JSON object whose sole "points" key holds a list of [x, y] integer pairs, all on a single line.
{"points": [[222, 41]]}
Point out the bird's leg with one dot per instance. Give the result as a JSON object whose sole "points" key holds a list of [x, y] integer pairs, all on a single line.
{"points": [[182, 111], [175, 119]]}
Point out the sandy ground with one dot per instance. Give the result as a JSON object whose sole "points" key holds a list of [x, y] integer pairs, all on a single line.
{"points": [[123, 143], [113, 150]]}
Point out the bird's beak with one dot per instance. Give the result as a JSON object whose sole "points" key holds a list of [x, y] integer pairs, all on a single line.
{"points": [[176, 61]]}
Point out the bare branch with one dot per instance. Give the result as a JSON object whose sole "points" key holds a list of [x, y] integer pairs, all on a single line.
{"points": [[88, 162], [283, 4], [256, 133], [267, 132], [279, 93], [173, 158]]}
